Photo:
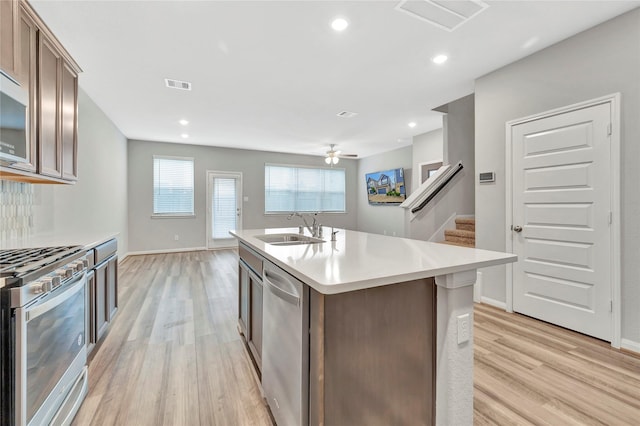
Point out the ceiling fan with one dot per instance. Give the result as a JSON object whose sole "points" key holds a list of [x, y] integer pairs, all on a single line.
{"points": [[333, 155]]}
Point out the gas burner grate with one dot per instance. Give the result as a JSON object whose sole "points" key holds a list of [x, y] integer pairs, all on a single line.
{"points": [[23, 259]]}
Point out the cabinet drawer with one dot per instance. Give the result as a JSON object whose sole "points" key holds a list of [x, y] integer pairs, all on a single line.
{"points": [[106, 250], [252, 259]]}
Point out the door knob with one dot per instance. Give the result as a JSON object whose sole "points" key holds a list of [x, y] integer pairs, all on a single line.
{"points": [[517, 228]]}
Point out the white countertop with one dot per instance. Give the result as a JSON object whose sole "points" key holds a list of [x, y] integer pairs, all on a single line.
{"points": [[52, 239], [359, 260]]}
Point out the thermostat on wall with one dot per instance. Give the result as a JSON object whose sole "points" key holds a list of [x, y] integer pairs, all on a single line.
{"points": [[487, 177]]}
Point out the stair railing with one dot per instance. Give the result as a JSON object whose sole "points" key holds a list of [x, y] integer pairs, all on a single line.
{"points": [[431, 187]]}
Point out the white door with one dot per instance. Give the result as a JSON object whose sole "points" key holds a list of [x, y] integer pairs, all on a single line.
{"points": [[561, 220], [224, 208]]}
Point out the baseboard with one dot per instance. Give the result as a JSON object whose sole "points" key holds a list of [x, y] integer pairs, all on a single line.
{"points": [[493, 302], [161, 251], [630, 345]]}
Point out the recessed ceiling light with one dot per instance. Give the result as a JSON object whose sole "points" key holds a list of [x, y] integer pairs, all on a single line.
{"points": [[184, 122], [412, 124], [184, 135], [440, 59], [339, 24]]}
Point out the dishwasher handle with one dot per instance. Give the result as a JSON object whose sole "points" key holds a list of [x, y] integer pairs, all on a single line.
{"points": [[278, 284]]}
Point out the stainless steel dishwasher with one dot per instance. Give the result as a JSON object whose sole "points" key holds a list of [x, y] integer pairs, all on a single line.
{"points": [[285, 346]]}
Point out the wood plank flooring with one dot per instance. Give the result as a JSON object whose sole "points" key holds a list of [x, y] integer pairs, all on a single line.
{"points": [[529, 372], [173, 356]]}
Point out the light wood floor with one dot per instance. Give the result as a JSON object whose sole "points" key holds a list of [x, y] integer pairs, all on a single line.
{"points": [[173, 357]]}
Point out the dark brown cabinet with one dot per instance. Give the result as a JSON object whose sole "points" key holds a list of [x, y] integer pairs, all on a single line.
{"points": [[57, 113], [112, 287], [243, 298], [69, 121], [255, 319], [101, 319], [250, 302], [50, 152], [50, 75], [9, 38], [92, 337], [27, 79], [103, 291]]}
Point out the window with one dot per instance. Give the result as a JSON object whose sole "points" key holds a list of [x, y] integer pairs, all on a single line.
{"points": [[303, 189], [172, 186]]}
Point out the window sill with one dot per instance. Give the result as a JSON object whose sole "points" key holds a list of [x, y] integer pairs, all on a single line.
{"points": [[304, 213], [173, 216]]}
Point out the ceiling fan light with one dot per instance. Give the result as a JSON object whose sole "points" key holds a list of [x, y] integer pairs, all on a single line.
{"points": [[327, 160], [335, 160]]}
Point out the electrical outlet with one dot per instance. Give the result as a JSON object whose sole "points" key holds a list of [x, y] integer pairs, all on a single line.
{"points": [[463, 328], [176, 237]]}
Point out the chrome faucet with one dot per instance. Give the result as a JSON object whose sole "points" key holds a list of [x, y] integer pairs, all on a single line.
{"points": [[315, 229]]}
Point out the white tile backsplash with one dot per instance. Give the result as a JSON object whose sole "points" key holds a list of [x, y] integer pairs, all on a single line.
{"points": [[16, 209]]}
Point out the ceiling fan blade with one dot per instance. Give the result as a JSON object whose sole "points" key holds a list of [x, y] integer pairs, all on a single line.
{"points": [[349, 155]]}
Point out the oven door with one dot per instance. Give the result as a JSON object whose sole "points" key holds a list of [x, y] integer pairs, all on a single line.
{"points": [[50, 351]]}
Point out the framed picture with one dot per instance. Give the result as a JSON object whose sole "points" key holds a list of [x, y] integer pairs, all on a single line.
{"points": [[386, 187]]}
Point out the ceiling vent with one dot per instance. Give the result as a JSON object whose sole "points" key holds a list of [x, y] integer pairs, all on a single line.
{"points": [[177, 84], [445, 14], [346, 114]]}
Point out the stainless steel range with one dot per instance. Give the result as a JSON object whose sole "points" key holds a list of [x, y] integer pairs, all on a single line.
{"points": [[43, 335]]}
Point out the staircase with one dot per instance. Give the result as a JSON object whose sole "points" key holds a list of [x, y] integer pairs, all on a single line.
{"points": [[464, 235]]}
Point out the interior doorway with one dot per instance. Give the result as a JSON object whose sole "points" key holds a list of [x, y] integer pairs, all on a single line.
{"points": [[563, 212]]}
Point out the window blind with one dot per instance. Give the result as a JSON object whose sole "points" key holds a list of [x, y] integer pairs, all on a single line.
{"points": [[224, 207], [172, 186], [303, 189]]}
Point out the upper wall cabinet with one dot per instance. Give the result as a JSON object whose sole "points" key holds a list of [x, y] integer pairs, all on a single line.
{"points": [[50, 75], [9, 38]]}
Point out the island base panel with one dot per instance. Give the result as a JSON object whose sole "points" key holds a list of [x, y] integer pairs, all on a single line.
{"points": [[372, 355]]}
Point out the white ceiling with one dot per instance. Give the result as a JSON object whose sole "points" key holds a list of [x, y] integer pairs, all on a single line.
{"points": [[272, 75]]}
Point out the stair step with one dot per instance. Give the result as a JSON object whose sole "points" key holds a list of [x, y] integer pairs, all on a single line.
{"points": [[466, 223], [459, 233], [452, 243], [461, 240]]}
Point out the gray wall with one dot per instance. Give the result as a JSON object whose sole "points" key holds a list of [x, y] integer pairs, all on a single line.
{"points": [[379, 219], [147, 234], [597, 62], [459, 195], [427, 147], [97, 203]]}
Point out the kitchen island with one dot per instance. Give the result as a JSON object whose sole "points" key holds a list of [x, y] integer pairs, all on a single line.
{"points": [[385, 323]]}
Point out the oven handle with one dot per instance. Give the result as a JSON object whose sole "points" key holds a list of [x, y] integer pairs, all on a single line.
{"points": [[38, 310]]}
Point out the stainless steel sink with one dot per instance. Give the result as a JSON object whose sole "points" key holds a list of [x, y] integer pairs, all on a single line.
{"points": [[288, 239]]}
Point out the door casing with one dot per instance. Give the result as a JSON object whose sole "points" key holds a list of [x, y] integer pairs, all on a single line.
{"points": [[614, 229]]}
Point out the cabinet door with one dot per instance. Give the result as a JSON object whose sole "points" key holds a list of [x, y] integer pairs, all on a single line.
{"points": [[101, 311], [9, 37], [243, 299], [49, 71], [112, 287], [69, 123], [27, 79], [91, 312], [255, 320]]}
